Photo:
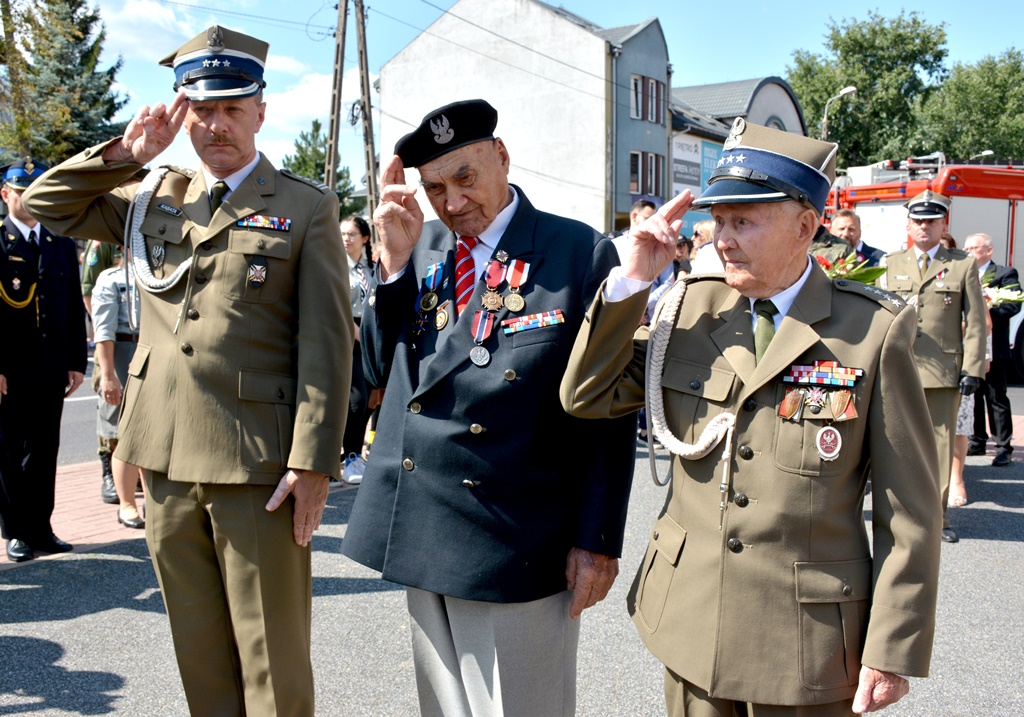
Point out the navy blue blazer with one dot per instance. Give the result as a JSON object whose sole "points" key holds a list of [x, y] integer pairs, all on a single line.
{"points": [[873, 256], [479, 483], [45, 338], [1005, 277]]}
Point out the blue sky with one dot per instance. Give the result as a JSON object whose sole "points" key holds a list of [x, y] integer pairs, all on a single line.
{"points": [[708, 42]]}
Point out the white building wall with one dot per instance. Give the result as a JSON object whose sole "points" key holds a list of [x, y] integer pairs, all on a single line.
{"points": [[553, 117], [771, 105]]}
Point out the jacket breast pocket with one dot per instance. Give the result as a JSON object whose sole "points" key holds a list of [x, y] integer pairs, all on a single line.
{"points": [[256, 266], [166, 248], [797, 442], [693, 394], [833, 603], [949, 300], [266, 418], [655, 579]]}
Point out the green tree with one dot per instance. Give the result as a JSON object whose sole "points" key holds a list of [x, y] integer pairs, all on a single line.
{"points": [[68, 102], [979, 107], [310, 160], [895, 64]]}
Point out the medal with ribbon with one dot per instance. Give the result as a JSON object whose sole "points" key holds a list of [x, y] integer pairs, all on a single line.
{"points": [[518, 271], [495, 274], [428, 298], [483, 322]]}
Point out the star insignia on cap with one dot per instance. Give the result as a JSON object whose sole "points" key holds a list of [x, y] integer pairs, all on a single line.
{"points": [[740, 158], [720, 162], [206, 63], [216, 63], [226, 63], [730, 159]]}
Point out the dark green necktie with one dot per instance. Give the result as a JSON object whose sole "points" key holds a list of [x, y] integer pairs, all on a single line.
{"points": [[764, 329], [217, 195]]}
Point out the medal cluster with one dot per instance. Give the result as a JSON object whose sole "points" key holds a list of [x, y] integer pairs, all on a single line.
{"points": [[826, 394]]}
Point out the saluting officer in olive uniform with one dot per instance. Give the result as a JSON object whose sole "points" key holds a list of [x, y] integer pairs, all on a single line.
{"points": [[42, 325], [942, 284], [777, 389], [240, 373]]}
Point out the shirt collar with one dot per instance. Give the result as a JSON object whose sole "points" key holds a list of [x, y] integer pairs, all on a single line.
{"points": [[232, 180], [490, 236], [983, 269], [784, 299], [931, 252], [24, 228]]}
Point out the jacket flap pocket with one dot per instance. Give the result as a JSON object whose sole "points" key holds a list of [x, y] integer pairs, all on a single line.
{"points": [[838, 581], [712, 384], [276, 246], [266, 387], [138, 360], [164, 227], [668, 537]]}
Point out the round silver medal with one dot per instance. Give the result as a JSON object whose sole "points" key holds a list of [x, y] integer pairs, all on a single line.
{"points": [[480, 356]]}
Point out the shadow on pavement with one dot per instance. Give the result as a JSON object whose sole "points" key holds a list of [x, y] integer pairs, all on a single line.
{"points": [[31, 675]]}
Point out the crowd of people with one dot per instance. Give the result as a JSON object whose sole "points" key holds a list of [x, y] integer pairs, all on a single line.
{"points": [[256, 344]]}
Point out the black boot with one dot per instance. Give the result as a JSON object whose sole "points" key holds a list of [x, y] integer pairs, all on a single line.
{"points": [[108, 492]]}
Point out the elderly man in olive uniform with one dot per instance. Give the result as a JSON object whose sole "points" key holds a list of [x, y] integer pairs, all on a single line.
{"points": [[234, 404], [942, 284], [777, 390], [43, 359]]}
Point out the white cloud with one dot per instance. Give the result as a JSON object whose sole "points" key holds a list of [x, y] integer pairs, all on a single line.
{"points": [[285, 64], [144, 29]]}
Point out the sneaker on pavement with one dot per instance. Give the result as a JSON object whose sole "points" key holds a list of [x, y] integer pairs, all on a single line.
{"points": [[355, 466]]}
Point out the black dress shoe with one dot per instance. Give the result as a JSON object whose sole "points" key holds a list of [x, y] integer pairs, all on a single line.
{"points": [[949, 536], [136, 522], [18, 551], [52, 544], [975, 450], [1002, 459]]}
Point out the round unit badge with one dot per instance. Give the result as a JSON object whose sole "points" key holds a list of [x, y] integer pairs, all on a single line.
{"points": [[514, 302], [829, 443], [429, 301], [480, 356]]}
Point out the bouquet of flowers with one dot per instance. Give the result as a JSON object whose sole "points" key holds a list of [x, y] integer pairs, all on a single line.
{"points": [[996, 295], [849, 268]]}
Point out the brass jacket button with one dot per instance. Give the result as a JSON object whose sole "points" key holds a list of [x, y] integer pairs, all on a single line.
{"points": [[510, 375], [186, 349], [470, 483], [162, 229], [734, 545], [415, 407], [476, 429], [741, 500], [847, 590], [192, 314], [408, 464], [746, 452]]}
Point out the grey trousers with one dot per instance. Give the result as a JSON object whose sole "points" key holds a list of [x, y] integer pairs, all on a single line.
{"points": [[483, 659]]}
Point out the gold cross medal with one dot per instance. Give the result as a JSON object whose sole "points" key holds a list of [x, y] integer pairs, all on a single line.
{"points": [[491, 300]]}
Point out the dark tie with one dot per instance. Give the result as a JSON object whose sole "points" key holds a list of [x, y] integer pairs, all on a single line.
{"points": [[217, 195], [465, 272], [33, 243], [764, 329]]}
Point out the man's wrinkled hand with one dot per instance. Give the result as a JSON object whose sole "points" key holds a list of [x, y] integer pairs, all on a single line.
{"points": [[310, 491], [878, 689], [653, 244], [149, 133], [590, 577], [398, 218]]}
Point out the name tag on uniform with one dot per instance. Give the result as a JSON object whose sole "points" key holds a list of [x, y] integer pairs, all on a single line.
{"points": [[173, 211]]}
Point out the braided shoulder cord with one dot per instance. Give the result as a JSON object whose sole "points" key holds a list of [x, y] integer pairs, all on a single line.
{"points": [[137, 243], [721, 426]]}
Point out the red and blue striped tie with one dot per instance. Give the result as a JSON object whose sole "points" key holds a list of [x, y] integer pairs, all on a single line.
{"points": [[465, 272]]}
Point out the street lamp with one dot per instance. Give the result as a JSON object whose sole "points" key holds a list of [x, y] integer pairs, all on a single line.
{"points": [[986, 153], [848, 90]]}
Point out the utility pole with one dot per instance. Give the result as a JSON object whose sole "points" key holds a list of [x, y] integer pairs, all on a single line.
{"points": [[365, 111], [331, 168]]}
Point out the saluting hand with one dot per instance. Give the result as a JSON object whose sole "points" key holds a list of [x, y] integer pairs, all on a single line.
{"points": [[310, 490], [149, 133], [654, 241], [398, 218]]}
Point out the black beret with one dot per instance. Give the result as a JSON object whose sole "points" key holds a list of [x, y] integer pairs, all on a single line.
{"points": [[445, 129]]}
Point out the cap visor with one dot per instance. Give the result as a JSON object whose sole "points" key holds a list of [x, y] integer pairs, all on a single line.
{"points": [[735, 191], [218, 88]]}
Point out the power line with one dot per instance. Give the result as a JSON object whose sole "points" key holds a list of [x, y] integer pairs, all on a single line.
{"points": [[325, 31]]}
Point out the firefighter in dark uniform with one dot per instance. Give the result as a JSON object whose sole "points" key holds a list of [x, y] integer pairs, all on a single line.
{"points": [[42, 320]]}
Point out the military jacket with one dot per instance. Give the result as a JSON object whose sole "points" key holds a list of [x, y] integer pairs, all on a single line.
{"points": [[772, 595], [243, 366], [946, 295]]}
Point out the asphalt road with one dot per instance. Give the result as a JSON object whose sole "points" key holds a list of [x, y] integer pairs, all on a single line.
{"points": [[87, 634]]}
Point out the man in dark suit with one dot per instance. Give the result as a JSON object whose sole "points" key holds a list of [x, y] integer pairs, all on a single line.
{"points": [[502, 515], [993, 388], [846, 226], [42, 321]]}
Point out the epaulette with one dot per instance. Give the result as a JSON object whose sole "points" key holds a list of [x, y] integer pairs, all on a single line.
{"points": [[306, 180], [184, 171], [691, 278], [958, 253], [886, 298]]}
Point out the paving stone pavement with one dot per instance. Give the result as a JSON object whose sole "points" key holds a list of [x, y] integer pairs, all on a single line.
{"points": [[86, 634]]}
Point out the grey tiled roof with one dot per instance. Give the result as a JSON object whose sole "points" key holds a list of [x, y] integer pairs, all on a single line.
{"points": [[615, 35], [723, 99]]}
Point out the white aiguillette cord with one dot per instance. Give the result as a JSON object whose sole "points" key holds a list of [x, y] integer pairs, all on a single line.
{"points": [[135, 243], [721, 426]]}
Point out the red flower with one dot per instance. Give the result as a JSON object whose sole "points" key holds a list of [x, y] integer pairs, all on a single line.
{"points": [[825, 263]]}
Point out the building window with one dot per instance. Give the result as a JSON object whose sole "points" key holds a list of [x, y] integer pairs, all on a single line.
{"points": [[660, 104], [634, 172], [659, 173], [635, 99], [652, 100], [650, 174]]}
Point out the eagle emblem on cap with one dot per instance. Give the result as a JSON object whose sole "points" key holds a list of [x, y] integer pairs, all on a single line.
{"points": [[738, 128], [215, 39], [29, 167], [443, 134]]}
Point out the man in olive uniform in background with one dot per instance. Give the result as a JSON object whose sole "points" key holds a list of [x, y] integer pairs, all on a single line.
{"points": [[42, 325], [760, 592], [239, 379], [942, 284]]}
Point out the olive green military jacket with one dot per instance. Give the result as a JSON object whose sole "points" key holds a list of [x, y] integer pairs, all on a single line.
{"points": [[243, 367], [946, 295], [774, 596]]}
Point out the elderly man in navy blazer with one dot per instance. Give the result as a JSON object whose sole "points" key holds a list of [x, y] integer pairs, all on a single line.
{"points": [[501, 514]]}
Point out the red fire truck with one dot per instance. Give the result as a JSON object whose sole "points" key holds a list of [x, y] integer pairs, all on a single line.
{"points": [[985, 198]]}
